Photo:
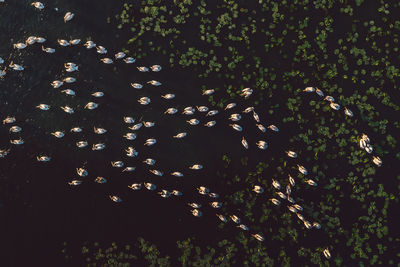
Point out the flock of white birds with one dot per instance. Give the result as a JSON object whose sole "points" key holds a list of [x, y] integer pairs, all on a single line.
{"points": [[284, 187]]}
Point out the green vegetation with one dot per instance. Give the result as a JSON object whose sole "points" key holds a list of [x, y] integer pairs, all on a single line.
{"points": [[349, 49]]}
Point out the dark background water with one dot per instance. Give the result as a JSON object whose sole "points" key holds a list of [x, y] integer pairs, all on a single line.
{"points": [[39, 209]]}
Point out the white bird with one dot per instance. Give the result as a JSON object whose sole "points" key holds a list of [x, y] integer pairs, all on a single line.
{"points": [[117, 164], [17, 141], [329, 98], [208, 92], [130, 136], [196, 167], [43, 106], [75, 182], [38, 5], [319, 92], [216, 205], [106, 60], [156, 172], [69, 80], [129, 60], [136, 127], [148, 124], [195, 205], [334, 106], [193, 121], [180, 135], [309, 89], [244, 143], [129, 169], [1, 60], [302, 169], [236, 127], [129, 120], [221, 217], [316, 225], [75, 41], [235, 219], [98, 94], [276, 184], [68, 16], [230, 105], [212, 113], [100, 180], [368, 148], [176, 193], [213, 195], [177, 174], [291, 154], [15, 129], [76, 130], [81, 172], [43, 158], [248, 110], [101, 50], [89, 44], [256, 117], [19, 46], [327, 254], [155, 68], [377, 161], [348, 112], [40, 40], [9, 120], [246, 92], [149, 161], [63, 42], [275, 201], [203, 190], [99, 146], [281, 195], [58, 134], [150, 186], [150, 142], [273, 128], [307, 224], [30, 40], [81, 144], [56, 84], [144, 100], [2, 73], [143, 69], [68, 92], [119, 55], [168, 96], [131, 152], [311, 182], [135, 186], [137, 85], [196, 213], [4, 152], [115, 198], [301, 217], [155, 83], [171, 111], [242, 226], [164, 193], [258, 189], [291, 181], [16, 66], [99, 130], [261, 127], [91, 105], [202, 108], [235, 117], [48, 50], [298, 207], [262, 144]]}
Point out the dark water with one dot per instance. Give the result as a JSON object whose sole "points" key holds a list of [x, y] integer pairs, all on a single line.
{"points": [[39, 209]]}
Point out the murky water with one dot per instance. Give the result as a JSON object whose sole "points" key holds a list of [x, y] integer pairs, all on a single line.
{"points": [[40, 208]]}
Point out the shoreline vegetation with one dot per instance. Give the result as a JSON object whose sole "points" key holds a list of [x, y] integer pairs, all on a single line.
{"points": [[348, 49]]}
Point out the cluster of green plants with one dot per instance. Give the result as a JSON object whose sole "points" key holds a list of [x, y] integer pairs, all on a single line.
{"points": [[349, 49]]}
